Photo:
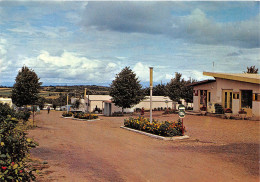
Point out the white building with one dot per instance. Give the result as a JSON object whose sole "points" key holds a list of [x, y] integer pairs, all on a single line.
{"points": [[6, 101], [104, 103], [234, 91]]}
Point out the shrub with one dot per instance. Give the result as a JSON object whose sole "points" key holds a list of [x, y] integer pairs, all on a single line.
{"points": [[65, 114], [5, 111], [203, 108], [228, 110], [242, 111], [82, 115], [14, 150], [218, 109], [170, 111], [164, 128]]}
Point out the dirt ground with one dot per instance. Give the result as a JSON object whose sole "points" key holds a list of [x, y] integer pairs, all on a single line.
{"points": [[218, 150]]}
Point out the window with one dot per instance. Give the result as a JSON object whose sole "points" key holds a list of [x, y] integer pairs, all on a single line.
{"points": [[256, 97], [236, 95], [246, 98], [209, 96]]}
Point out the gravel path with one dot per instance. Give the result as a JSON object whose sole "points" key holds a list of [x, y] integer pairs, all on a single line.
{"points": [[218, 150]]}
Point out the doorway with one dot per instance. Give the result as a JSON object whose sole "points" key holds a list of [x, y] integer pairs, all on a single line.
{"points": [[227, 99], [246, 101]]}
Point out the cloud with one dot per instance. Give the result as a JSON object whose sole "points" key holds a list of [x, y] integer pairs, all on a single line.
{"points": [[143, 73], [43, 31], [72, 67], [3, 52], [159, 18]]}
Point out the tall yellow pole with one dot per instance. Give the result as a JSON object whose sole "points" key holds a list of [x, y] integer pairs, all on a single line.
{"points": [[151, 94], [85, 93], [67, 103]]}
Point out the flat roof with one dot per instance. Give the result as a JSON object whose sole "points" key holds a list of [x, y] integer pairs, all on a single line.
{"points": [[202, 82], [243, 77]]}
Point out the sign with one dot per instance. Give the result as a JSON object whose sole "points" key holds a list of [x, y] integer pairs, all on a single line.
{"points": [[181, 109]]}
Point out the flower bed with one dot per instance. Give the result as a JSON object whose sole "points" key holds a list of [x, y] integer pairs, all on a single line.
{"points": [[165, 128], [85, 116], [65, 114]]}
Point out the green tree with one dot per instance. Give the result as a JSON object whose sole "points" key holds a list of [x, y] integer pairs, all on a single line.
{"points": [[178, 89], [158, 90], [175, 87], [26, 88], [126, 90], [252, 69], [187, 92]]}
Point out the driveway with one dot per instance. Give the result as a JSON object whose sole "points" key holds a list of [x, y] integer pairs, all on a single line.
{"points": [[218, 150]]}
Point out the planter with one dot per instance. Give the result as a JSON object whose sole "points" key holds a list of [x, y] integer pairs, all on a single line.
{"points": [[242, 116], [228, 115], [203, 112]]}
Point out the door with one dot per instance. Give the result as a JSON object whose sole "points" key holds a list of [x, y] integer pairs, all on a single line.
{"points": [[203, 98], [227, 99], [246, 101]]}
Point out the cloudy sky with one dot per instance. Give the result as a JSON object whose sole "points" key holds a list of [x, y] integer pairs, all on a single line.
{"points": [[90, 42]]}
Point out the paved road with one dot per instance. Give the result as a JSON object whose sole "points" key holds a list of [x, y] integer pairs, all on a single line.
{"points": [[218, 150]]}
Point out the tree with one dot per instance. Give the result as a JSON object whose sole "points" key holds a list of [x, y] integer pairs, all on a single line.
{"points": [[178, 89], [252, 69], [159, 90], [175, 87], [126, 90], [187, 92], [26, 88]]}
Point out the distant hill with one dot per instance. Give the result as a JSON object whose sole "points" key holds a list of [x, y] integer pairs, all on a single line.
{"points": [[55, 91]]}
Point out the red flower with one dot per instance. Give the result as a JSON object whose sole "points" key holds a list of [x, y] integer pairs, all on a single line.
{"points": [[12, 163], [4, 168], [20, 171]]}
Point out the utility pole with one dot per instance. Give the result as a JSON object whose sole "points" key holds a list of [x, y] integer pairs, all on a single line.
{"points": [[151, 94]]}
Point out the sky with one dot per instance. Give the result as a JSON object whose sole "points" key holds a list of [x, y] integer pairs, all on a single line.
{"points": [[88, 43]]}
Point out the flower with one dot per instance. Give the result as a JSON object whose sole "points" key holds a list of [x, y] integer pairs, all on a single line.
{"points": [[228, 110], [20, 171], [2, 143], [242, 111], [203, 108], [4, 168]]}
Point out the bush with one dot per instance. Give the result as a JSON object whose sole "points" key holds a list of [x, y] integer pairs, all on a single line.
{"points": [[85, 116], [164, 128], [14, 150], [170, 111], [228, 110], [218, 109], [5, 111], [65, 114]]}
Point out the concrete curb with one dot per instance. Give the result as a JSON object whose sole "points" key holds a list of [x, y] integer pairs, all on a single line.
{"points": [[85, 119], [80, 119], [156, 136]]}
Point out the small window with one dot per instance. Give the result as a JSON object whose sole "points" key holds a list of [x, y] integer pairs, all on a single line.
{"points": [[256, 97], [235, 95], [209, 96]]}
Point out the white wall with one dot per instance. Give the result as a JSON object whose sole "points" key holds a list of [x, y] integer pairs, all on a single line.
{"points": [[223, 84]]}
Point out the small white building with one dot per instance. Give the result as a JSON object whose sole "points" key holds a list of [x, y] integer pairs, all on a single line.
{"points": [[104, 103], [157, 101], [234, 91], [6, 101]]}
